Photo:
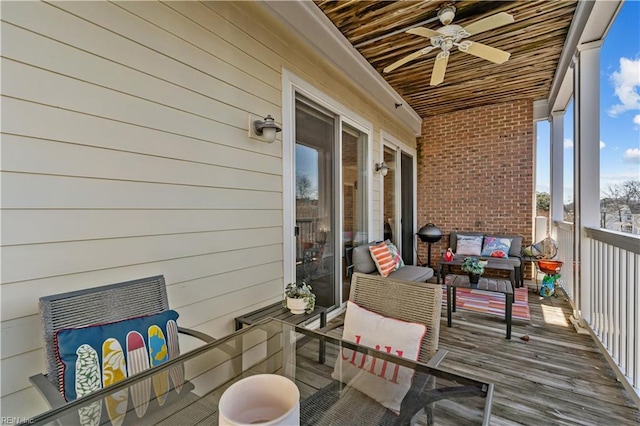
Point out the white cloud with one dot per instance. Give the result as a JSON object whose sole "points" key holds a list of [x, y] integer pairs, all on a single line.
{"points": [[632, 155], [568, 143], [626, 83], [636, 119], [617, 177], [543, 187]]}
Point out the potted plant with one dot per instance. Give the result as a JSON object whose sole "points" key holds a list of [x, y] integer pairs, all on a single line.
{"points": [[299, 298], [474, 267]]}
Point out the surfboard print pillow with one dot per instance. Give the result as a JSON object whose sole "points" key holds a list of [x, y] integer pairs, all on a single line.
{"points": [[94, 356]]}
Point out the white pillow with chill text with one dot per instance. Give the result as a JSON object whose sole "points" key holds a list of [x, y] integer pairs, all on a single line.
{"points": [[386, 382]]}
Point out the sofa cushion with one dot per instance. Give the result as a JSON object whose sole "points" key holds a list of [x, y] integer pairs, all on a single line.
{"points": [[515, 261], [470, 245], [516, 244], [496, 247], [395, 253], [362, 261], [514, 250], [385, 263], [412, 273], [453, 238]]}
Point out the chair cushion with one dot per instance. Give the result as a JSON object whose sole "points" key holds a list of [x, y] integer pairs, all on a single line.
{"points": [[412, 273], [99, 355], [395, 253], [385, 382], [385, 263], [362, 261], [470, 245], [496, 247]]}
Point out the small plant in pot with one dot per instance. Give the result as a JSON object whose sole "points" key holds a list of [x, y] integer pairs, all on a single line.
{"points": [[474, 267], [299, 298]]}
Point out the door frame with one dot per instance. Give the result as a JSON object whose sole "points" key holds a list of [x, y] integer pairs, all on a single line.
{"points": [[390, 141], [292, 84]]}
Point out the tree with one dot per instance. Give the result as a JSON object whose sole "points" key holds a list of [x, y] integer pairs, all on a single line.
{"points": [[303, 187], [613, 201], [631, 192], [543, 201], [618, 199]]}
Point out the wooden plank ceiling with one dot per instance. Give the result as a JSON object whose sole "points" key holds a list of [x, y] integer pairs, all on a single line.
{"points": [[535, 40]]}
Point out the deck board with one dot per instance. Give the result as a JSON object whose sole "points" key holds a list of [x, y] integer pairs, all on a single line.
{"points": [[557, 377]]}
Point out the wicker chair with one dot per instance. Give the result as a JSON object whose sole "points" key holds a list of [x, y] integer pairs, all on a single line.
{"points": [[404, 300], [96, 305], [407, 301]]}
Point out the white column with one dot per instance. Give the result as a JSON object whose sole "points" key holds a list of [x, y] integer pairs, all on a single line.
{"points": [[586, 162], [557, 166]]}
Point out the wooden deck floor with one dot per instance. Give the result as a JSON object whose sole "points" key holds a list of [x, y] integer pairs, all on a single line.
{"points": [[557, 377]]}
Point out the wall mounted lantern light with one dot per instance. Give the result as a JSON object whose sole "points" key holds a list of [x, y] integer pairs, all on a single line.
{"points": [[382, 168], [266, 128]]}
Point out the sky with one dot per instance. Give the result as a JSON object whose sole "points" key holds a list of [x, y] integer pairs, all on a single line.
{"points": [[619, 110]]}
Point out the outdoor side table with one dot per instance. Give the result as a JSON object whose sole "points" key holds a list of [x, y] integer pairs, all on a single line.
{"points": [[278, 311]]}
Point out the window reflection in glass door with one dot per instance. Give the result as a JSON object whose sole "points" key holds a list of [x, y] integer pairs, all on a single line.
{"points": [[315, 200]]}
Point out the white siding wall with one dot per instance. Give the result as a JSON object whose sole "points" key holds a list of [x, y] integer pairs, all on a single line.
{"points": [[126, 153]]}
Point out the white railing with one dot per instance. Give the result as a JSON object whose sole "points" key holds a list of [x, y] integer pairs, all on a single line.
{"points": [[613, 310], [615, 297]]}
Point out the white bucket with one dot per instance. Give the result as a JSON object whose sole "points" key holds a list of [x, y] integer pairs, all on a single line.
{"points": [[263, 399]]}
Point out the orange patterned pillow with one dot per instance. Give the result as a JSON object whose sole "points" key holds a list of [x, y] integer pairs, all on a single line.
{"points": [[383, 259]]}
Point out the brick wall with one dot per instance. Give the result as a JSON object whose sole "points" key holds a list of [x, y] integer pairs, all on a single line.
{"points": [[475, 172]]}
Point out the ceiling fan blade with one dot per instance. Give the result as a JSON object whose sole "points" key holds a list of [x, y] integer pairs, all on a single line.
{"points": [[439, 68], [408, 58], [489, 23], [423, 32], [483, 51]]}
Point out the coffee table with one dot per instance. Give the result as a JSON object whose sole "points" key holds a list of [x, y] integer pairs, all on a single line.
{"points": [[498, 285], [276, 347], [443, 265]]}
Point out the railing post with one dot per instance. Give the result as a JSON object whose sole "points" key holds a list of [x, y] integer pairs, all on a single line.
{"points": [[557, 167], [586, 160]]}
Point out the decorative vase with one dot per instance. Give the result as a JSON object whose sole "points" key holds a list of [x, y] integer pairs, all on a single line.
{"points": [[474, 278], [296, 306]]}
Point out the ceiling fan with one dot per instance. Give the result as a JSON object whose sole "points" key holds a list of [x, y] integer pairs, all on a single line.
{"points": [[451, 35]]}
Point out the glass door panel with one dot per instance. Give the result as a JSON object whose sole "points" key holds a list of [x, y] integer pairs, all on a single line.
{"points": [[398, 200], [407, 230], [355, 229], [389, 194], [315, 132]]}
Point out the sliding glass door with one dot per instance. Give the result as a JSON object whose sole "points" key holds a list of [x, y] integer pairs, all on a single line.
{"points": [[315, 189], [398, 206]]}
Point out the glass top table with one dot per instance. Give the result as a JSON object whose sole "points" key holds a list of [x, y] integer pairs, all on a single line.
{"points": [[186, 390]]}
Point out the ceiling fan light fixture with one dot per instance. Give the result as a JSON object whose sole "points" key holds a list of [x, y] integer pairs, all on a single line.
{"points": [[450, 35], [446, 14]]}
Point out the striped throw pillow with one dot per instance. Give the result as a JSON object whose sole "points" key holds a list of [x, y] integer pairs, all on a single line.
{"points": [[383, 259]]}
